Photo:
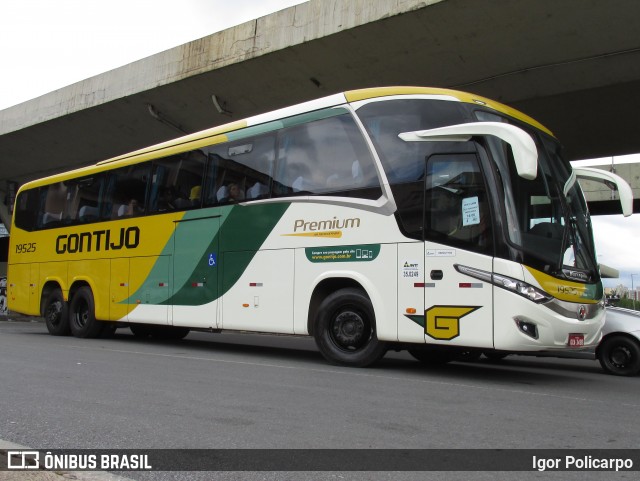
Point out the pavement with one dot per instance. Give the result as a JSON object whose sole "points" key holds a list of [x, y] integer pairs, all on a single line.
{"points": [[41, 474]]}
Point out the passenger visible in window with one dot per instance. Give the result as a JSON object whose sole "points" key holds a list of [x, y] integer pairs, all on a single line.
{"points": [[258, 190], [166, 199], [235, 193], [194, 195], [130, 209]]}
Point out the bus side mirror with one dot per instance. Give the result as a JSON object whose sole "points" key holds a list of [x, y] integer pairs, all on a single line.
{"points": [[607, 178], [524, 149]]}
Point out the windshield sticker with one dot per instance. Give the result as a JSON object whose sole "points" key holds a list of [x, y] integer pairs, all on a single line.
{"points": [[470, 211], [357, 253]]}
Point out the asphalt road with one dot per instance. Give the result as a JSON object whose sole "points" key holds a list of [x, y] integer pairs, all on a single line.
{"points": [[257, 391]]}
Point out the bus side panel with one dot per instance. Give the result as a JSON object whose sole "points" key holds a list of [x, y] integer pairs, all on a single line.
{"points": [[262, 297], [97, 274], [22, 292], [54, 272], [149, 277], [411, 281], [119, 289]]}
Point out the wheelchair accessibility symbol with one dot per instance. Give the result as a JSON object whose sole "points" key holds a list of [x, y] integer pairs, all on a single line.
{"points": [[212, 260]]}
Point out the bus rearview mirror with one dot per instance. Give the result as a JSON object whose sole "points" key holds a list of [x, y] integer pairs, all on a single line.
{"points": [[524, 149], [607, 178]]}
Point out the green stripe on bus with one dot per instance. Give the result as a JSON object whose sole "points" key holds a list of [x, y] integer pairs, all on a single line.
{"points": [[200, 243], [288, 122]]}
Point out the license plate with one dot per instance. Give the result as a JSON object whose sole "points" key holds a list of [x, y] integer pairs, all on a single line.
{"points": [[576, 340]]}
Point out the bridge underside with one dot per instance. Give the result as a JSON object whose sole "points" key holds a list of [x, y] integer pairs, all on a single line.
{"points": [[573, 65]]}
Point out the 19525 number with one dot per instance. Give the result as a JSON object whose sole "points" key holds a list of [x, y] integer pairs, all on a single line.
{"points": [[25, 248]]}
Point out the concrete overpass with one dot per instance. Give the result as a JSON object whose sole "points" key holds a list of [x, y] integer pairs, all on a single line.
{"points": [[574, 65]]}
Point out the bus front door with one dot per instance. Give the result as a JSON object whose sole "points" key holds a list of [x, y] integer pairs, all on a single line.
{"points": [[458, 236], [458, 309]]}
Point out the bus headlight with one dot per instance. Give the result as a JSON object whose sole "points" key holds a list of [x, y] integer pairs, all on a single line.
{"points": [[514, 285]]}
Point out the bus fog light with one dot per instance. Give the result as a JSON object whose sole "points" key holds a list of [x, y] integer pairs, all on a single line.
{"points": [[529, 328]]}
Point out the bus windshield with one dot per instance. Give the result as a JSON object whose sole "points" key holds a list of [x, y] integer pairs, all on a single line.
{"points": [[547, 217], [545, 221]]}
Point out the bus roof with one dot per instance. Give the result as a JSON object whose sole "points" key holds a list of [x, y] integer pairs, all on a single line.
{"points": [[218, 134]]}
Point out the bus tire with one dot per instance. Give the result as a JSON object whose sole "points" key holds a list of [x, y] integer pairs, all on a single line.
{"points": [[619, 355], [55, 313], [432, 356], [495, 356], [345, 329], [141, 331], [170, 332], [82, 314]]}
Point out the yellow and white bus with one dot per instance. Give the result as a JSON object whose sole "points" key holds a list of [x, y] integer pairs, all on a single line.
{"points": [[389, 218]]}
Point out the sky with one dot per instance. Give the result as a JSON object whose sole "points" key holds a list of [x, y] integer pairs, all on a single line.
{"points": [[49, 44]]}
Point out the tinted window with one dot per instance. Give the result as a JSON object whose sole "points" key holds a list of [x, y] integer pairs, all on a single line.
{"points": [[27, 209], [456, 203], [126, 191], [241, 170], [327, 157], [84, 199], [177, 182], [404, 161]]}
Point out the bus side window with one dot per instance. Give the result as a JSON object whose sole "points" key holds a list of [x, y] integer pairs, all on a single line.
{"points": [[126, 191], [327, 157], [456, 203], [88, 197], [177, 182], [55, 204], [240, 171], [28, 209]]}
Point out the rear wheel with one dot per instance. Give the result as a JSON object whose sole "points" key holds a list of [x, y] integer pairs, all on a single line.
{"points": [[169, 332], [141, 330], [82, 317], [55, 314], [619, 355], [345, 330]]}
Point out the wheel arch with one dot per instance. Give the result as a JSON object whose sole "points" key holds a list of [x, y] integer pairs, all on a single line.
{"points": [[49, 286], [328, 285], [77, 284], [631, 336], [333, 281]]}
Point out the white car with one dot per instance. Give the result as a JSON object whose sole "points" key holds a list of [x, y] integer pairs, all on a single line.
{"points": [[619, 349]]}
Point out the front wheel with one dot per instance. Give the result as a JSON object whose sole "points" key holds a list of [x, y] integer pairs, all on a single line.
{"points": [[345, 330], [619, 355], [55, 314], [82, 317]]}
